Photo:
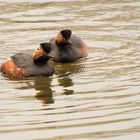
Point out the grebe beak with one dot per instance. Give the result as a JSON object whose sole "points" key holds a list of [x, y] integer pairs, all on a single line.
{"points": [[59, 39], [38, 53]]}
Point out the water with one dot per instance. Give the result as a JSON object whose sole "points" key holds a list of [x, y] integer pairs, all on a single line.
{"points": [[93, 98]]}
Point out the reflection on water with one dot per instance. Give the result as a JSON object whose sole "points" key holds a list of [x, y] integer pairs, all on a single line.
{"points": [[93, 98], [63, 76], [64, 72], [44, 91]]}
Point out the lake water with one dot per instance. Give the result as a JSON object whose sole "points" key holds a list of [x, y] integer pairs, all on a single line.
{"points": [[94, 98]]}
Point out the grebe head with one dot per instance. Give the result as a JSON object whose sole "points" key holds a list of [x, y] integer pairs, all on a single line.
{"points": [[63, 36], [46, 46]]}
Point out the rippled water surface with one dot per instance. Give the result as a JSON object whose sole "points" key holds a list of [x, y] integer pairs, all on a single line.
{"points": [[93, 98]]}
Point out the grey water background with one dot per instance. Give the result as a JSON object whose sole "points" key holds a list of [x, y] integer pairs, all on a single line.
{"points": [[94, 98]]}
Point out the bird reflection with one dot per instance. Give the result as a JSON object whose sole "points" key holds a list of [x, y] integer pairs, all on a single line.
{"points": [[43, 86], [66, 81], [64, 73]]}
